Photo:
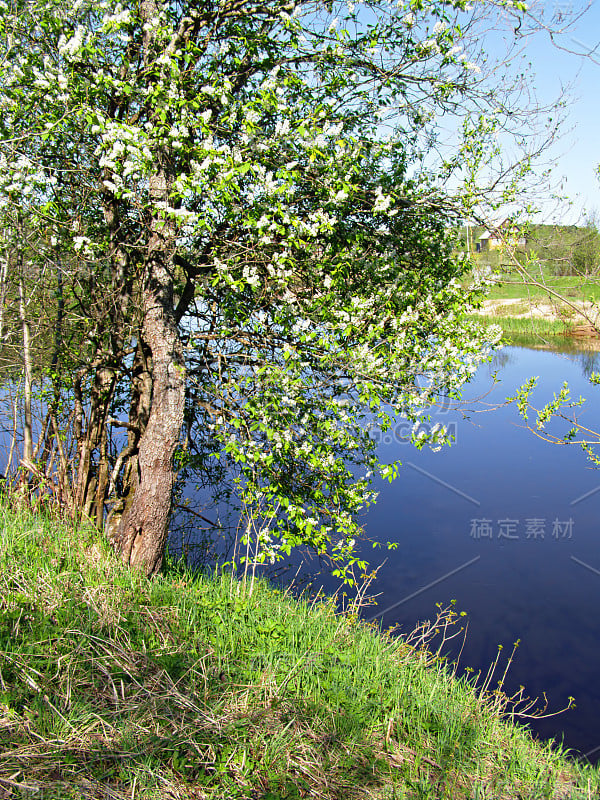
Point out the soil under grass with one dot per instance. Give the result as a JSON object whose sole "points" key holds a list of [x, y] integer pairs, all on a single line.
{"points": [[191, 686]]}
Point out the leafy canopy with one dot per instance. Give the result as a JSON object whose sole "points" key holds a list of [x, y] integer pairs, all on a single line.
{"points": [[307, 192]]}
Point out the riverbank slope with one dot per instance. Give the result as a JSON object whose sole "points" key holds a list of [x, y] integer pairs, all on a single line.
{"points": [[112, 686]]}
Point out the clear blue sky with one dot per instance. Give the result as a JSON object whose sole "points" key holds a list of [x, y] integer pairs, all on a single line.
{"points": [[578, 151]]}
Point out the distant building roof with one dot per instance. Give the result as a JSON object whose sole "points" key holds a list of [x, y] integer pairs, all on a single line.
{"points": [[499, 231]]}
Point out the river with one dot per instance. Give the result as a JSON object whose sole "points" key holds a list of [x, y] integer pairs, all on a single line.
{"points": [[509, 527]]}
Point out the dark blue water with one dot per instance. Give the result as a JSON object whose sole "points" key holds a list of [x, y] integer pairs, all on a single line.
{"points": [[509, 527]]}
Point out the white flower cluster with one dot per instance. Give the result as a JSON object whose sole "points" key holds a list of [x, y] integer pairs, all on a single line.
{"points": [[383, 202], [125, 151], [268, 547], [430, 46], [251, 276], [22, 179], [118, 18], [333, 130], [282, 127], [83, 245], [152, 25], [70, 48], [470, 65], [318, 222]]}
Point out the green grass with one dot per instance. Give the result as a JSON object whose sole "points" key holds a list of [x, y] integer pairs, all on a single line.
{"points": [[112, 686], [531, 326], [574, 288]]}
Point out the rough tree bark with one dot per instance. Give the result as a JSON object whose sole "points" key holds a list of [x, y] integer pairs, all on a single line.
{"points": [[142, 532]]}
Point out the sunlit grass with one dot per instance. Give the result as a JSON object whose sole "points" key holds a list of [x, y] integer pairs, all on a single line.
{"points": [[192, 686], [513, 287], [535, 326]]}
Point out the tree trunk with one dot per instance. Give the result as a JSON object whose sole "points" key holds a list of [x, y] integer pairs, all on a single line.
{"points": [[142, 533], [87, 481], [3, 287]]}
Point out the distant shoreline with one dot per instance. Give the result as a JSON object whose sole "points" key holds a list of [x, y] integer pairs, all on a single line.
{"points": [[584, 327]]}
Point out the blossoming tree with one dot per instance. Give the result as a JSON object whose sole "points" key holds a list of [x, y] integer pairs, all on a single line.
{"points": [[237, 217]]}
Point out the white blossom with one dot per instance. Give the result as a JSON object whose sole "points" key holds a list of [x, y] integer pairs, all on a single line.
{"points": [[431, 45], [334, 130], [382, 202], [282, 127], [68, 48], [470, 65], [79, 242]]}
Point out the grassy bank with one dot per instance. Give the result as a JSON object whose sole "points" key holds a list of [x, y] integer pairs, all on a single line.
{"points": [[530, 326], [185, 687], [522, 309]]}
